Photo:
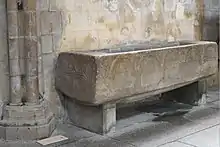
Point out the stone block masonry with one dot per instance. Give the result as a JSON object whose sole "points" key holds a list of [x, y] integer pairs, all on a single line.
{"points": [[25, 115], [38, 30]]}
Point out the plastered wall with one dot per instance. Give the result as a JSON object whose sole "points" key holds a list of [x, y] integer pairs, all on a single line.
{"points": [[92, 24]]}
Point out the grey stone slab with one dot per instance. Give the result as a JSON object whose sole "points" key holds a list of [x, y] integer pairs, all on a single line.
{"points": [[22, 144], [207, 138], [176, 144], [98, 141], [72, 132], [160, 130], [199, 114], [172, 134], [130, 121], [215, 104], [99, 119], [213, 95], [209, 120], [140, 133], [153, 133], [146, 133]]}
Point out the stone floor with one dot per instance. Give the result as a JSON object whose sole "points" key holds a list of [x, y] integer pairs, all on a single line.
{"points": [[139, 127]]}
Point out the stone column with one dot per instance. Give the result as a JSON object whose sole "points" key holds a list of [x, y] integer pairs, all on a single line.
{"points": [[25, 116], [199, 19], [31, 50], [15, 54]]}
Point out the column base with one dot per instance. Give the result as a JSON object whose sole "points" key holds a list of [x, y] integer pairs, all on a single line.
{"points": [[27, 122], [98, 119]]}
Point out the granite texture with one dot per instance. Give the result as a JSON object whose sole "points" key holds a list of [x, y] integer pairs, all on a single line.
{"points": [[97, 77]]}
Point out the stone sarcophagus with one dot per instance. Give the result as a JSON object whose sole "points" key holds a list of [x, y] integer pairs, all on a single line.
{"points": [[98, 78]]}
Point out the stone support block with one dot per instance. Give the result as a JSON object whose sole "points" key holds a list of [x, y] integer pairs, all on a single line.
{"points": [[189, 94], [99, 119]]}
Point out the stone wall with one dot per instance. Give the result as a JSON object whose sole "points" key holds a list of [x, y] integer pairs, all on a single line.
{"points": [[211, 20], [4, 78], [211, 29], [66, 25]]}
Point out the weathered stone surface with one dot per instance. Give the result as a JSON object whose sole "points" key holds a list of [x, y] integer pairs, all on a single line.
{"points": [[189, 94], [99, 119], [29, 132], [28, 122], [96, 77]]}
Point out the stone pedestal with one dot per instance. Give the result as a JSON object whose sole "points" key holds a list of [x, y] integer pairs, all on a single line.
{"points": [[99, 119], [189, 94], [27, 122]]}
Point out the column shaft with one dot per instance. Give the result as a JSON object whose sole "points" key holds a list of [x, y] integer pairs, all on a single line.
{"points": [[16, 89], [31, 49]]}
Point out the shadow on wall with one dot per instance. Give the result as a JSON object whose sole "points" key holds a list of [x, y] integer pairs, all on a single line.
{"points": [[211, 29]]}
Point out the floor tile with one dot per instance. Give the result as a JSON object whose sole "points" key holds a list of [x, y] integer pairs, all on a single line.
{"points": [[172, 133], [176, 144], [212, 95], [98, 141], [215, 104], [207, 138], [130, 121], [159, 130], [22, 144], [201, 115], [72, 132]]}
